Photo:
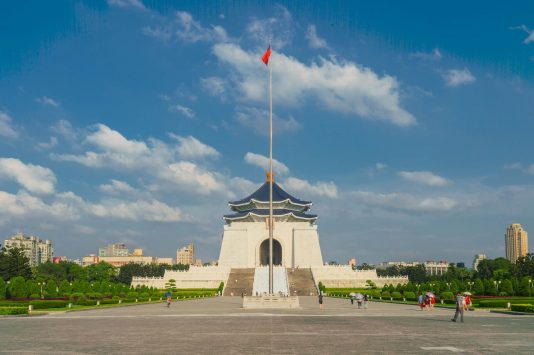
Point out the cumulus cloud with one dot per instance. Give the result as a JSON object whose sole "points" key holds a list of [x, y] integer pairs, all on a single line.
{"points": [[184, 28], [457, 77], [116, 187], [424, 177], [215, 86], [529, 32], [6, 128], [528, 169], [23, 204], [33, 178], [435, 55], [314, 40], [48, 145], [64, 129], [258, 121], [184, 110], [405, 202], [340, 86], [263, 162], [191, 148], [137, 4], [327, 189], [278, 29], [191, 175], [153, 211], [47, 101]]}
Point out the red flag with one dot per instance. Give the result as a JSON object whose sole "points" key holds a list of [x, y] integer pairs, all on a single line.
{"points": [[266, 55]]}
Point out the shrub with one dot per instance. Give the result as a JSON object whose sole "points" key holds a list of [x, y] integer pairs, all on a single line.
{"points": [[409, 295], [447, 296], [48, 304], [13, 304], [493, 303], [13, 310], [221, 287], [93, 295], [109, 301], [77, 297], [386, 294], [396, 294], [35, 296], [523, 308], [133, 295], [144, 295]]}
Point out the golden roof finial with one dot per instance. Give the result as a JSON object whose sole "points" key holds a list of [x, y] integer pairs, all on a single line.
{"points": [[269, 176]]}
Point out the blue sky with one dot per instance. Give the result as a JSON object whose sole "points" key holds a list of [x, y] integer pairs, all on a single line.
{"points": [[409, 126]]}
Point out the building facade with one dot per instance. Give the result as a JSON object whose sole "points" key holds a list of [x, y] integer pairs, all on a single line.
{"points": [[37, 250], [516, 242], [186, 255], [431, 267], [116, 249], [477, 260]]}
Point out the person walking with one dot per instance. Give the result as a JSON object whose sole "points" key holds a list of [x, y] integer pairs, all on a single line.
{"points": [[321, 306], [420, 301], [460, 304], [365, 301], [352, 300], [168, 295]]}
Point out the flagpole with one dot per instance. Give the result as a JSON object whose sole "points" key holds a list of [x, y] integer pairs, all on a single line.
{"points": [[271, 177]]}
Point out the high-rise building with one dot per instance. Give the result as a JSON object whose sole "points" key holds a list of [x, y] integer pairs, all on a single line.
{"points": [[516, 242], [37, 250], [186, 255], [117, 249], [477, 260]]}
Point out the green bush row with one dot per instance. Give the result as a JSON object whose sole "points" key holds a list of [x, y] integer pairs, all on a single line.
{"points": [[43, 304], [13, 310], [523, 308]]}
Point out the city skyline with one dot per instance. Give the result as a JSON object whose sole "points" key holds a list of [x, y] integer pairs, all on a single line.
{"points": [[136, 122]]}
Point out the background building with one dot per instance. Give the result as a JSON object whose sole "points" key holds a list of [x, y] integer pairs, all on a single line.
{"points": [[186, 255], [116, 249], [431, 267], [516, 242], [36, 250], [477, 260]]}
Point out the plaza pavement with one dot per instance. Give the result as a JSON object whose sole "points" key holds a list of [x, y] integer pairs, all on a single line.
{"points": [[221, 326]]}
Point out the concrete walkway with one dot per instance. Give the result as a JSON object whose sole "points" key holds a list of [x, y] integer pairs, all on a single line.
{"points": [[221, 326]]}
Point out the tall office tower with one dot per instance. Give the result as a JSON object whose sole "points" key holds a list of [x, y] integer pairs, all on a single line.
{"points": [[516, 242]]}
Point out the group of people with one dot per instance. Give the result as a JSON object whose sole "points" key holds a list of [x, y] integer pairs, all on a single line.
{"points": [[361, 300], [426, 301]]}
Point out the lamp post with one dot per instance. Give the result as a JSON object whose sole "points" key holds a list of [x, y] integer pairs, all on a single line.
{"points": [[529, 287], [41, 284], [497, 283], [470, 283], [449, 285]]}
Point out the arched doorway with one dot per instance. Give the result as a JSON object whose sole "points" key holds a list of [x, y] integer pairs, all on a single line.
{"points": [[264, 252]]}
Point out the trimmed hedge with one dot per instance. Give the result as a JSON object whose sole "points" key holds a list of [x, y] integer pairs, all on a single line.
{"points": [[410, 295], [386, 294], [493, 304], [13, 304], [13, 310], [48, 304], [447, 296], [523, 308], [396, 294]]}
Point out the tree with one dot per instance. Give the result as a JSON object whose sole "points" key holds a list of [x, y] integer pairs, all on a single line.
{"points": [[2, 289], [64, 288], [524, 266], [51, 288], [13, 262], [524, 287], [415, 273], [101, 271], [478, 287], [17, 287], [506, 286]]}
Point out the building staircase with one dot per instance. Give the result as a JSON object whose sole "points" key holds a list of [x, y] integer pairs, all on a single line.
{"points": [[301, 281], [261, 281], [240, 281]]}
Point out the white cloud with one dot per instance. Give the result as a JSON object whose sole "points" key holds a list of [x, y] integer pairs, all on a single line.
{"points": [[434, 55], [340, 86], [191, 148], [278, 29], [47, 101], [315, 41], [328, 189], [258, 121], [263, 162], [457, 77], [214, 86], [184, 28], [186, 111], [48, 145], [33, 178], [405, 202], [154, 211], [137, 4], [23, 204], [116, 187], [111, 140], [518, 166], [192, 176], [6, 129], [64, 129], [530, 37], [424, 177], [380, 166]]}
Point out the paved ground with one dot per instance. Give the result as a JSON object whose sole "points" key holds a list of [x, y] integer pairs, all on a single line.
{"points": [[221, 326]]}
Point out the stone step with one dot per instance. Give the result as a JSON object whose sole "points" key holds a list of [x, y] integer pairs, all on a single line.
{"points": [[301, 282], [240, 282]]}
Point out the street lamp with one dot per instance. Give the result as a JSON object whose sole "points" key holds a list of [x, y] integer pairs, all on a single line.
{"points": [[470, 283], [41, 284], [529, 287], [497, 283], [449, 285]]}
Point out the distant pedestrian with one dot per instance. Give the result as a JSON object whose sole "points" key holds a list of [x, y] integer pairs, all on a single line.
{"points": [[321, 306], [432, 303], [365, 301], [420, 301], [168, 295], [352, 300], [460, 304], [359, 300]]}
